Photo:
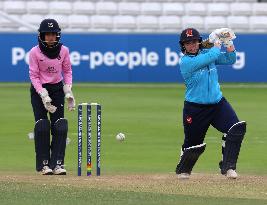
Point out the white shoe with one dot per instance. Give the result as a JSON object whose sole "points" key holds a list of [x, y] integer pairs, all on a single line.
{"points": [[183, 176], [231, 174], [46, 171], [59, 170]]}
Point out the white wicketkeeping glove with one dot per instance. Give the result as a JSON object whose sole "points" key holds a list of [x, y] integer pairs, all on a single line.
{"points": [[47, 101], [69, 96], [226, 36]]}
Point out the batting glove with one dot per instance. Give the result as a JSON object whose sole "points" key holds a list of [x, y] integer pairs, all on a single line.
{"points": [[227, 43], [225, 33]]}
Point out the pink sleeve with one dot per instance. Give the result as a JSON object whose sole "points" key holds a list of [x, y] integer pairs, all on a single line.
{"points": [[66, 67], [34, 71]]}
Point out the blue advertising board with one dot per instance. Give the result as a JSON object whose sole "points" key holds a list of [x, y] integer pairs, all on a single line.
{"points": [[130, 57]]}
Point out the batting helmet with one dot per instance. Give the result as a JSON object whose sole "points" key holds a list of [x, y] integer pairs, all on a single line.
{"points": [[189, 34], [49, 26]]}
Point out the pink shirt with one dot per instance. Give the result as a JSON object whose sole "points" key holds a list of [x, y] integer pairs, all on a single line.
{"points": [[45, 70]]}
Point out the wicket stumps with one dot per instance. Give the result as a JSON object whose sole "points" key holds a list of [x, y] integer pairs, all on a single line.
{"points": [[89, 137]]}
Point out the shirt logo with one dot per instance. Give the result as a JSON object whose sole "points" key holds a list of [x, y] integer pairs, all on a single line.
{"points": [[51, 69], [189, 119], [189, 32]]}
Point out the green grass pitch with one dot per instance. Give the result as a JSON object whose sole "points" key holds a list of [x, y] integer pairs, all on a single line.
{"points": [[150, 115]]}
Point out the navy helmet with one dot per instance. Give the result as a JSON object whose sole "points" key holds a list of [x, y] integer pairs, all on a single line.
{"points": [[49, 26], [189, 34]]}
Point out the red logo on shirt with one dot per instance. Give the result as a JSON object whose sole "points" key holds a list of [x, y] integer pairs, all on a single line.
{"points": [[189, 119]]}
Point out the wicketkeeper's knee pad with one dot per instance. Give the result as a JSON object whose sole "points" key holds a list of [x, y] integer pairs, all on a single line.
{"points": [[42, 133], [234, 138], [42, 127], [61, 127], [189, 158]]}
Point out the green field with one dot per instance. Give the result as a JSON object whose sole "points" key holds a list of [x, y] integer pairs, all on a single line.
{"points": [[150, 115]]}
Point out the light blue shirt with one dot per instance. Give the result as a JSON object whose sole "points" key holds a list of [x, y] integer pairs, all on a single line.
{"points": [[201, 77]]}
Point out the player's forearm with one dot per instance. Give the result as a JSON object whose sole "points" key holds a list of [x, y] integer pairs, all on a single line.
{"points": [[67, 70], [68, 78]]}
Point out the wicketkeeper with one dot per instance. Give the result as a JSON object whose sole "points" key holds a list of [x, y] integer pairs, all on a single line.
{"points": [[47, 62], [204, 103]]}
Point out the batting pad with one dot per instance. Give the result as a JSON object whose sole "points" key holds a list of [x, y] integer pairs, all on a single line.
{"points": [[189, 158], [233, 143]]}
